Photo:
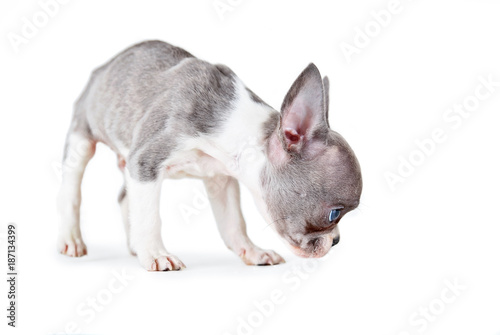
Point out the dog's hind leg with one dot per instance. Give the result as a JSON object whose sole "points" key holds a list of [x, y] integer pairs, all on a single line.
{"points": [[79, 149]]}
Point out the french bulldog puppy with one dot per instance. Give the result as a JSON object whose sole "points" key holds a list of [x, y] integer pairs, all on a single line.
{"points": [[168, 114]]}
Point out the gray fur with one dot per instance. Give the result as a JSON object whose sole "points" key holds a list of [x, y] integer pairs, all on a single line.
{"points": [[149, 92], [153, 95], [255, 97], [300, 193], [122, 194], [307, 84], [326, 89], [271, 125]]}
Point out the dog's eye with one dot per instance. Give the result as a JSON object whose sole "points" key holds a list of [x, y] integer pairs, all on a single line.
{"points": [[334, 215]]}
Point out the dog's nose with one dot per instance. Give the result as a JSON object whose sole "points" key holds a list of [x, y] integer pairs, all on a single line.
{"points": [[335, 240]]}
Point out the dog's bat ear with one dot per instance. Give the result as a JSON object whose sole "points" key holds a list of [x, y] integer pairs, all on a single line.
{"points": [[303, 116]]}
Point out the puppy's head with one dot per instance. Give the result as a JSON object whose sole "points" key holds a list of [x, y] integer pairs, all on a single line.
{"points": [[313, 177]]}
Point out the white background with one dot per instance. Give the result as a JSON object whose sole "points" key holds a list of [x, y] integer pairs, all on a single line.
{"points": [[397, 251]]}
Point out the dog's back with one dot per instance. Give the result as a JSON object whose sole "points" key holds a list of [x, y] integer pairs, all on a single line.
{"points": [[150, 87], [119, 90]]}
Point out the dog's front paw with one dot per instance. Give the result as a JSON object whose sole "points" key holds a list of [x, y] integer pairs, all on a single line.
{"points": [[159, 261], [71, 246], [257, 256]]}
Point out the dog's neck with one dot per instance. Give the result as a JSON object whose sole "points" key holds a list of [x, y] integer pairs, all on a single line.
{"points": [[242, 144]]}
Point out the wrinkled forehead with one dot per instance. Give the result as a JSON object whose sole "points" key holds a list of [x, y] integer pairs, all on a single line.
{"points": [[333, 156], [341, 173]]}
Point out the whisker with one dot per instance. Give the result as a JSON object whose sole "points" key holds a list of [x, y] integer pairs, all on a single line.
{"points": [[284, 218], [362, 206]]}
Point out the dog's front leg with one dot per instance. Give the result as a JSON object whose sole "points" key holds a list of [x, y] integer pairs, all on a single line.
{"points": [[224, 196], [145, 225]]}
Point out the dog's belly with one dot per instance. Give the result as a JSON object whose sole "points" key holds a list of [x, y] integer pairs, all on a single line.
{"points": [[194, 164]]}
